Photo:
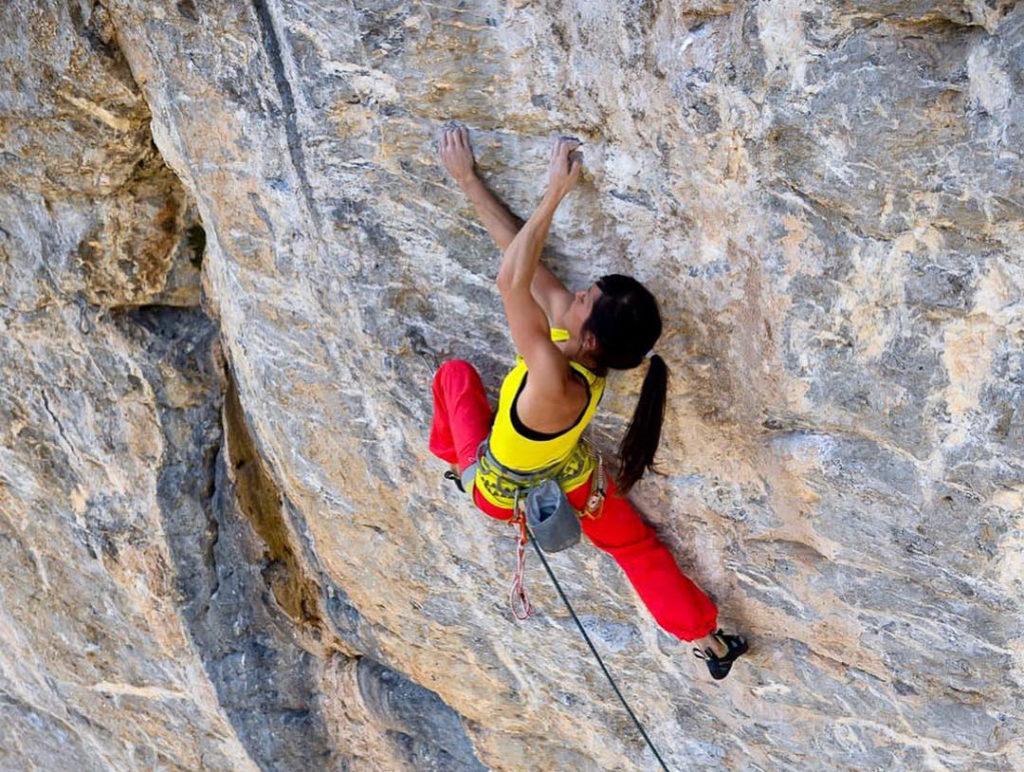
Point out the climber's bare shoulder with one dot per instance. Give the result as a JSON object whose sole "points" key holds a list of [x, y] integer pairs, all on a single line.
{"points": [[551, 406]]}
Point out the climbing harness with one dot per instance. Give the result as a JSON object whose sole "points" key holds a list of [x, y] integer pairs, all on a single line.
{"points": [[597, 656], [499, 483], [539, 504]]}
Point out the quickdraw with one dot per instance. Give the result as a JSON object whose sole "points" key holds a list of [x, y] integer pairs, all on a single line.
{"points": [[518, 599], [595, 502]]}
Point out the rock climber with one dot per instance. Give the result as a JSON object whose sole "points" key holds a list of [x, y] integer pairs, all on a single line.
{"points": [[566, 343]]}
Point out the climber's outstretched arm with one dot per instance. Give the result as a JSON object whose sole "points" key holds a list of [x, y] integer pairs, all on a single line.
{"points": [[520, 260], [457, 157], [549, 372]]}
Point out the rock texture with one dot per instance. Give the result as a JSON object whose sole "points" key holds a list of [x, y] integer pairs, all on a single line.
{"points": [[229, 262]]}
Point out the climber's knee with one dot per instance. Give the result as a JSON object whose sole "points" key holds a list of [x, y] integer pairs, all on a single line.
{"points": [[451, 367], [455, 375]]}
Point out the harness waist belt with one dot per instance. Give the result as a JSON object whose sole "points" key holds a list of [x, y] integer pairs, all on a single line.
{"points": [[500, 485]]}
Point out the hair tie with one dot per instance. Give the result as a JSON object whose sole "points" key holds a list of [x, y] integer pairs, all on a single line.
{"points": [[649, 354]]}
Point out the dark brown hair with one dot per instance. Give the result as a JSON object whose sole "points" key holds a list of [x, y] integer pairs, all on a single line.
{"points": [[626, 323]]}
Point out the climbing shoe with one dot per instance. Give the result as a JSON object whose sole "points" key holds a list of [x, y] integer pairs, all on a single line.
{"points": [[452, 475], [720, 666]]}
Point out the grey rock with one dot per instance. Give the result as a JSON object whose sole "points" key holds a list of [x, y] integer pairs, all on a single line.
{"points": [[227, 543]]}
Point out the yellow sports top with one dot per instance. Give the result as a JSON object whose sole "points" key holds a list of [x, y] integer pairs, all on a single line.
{"points": [[520, 448]]}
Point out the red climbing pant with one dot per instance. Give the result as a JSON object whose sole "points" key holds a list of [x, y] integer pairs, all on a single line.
{"points": [[462, 419]]}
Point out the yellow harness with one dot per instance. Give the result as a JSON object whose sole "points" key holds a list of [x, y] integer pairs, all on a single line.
{"points": [[515, 457]]}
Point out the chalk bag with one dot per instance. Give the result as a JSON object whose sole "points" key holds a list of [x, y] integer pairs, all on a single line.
{"points": [[552, 519]]}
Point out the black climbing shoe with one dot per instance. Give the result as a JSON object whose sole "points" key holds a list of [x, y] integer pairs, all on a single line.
{"points": [[736, 646], [452, 475]]}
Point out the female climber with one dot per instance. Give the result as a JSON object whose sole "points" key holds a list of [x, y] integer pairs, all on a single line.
{"points": [[567, 342]]}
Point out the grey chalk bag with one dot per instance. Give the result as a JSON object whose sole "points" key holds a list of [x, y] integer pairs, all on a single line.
{"points": [[552, 519]]}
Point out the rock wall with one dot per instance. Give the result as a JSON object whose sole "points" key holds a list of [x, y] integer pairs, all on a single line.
{"points": [[229, 262]]}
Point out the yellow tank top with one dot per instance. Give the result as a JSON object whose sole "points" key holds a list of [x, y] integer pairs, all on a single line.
{"points": [[517, 447]]}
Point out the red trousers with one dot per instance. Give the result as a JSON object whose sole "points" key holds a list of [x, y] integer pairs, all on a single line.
{"points": [[462, 419]]}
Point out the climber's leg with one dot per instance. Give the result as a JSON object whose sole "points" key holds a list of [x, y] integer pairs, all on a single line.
{"points": [[675, 602], [462, 415], [462, 420]]}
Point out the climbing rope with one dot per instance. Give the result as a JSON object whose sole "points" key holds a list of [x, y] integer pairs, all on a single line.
{"points": [[597, 656], [519, 601]]}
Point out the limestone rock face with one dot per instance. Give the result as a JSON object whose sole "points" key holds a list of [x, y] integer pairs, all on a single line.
{"points": [[154, 613], [228, 545]]}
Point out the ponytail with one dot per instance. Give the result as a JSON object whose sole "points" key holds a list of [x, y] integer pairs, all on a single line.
{"points": [[636, 453], [626, 323]]}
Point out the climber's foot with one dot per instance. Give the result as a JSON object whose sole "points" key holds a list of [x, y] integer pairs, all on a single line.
{"points": [[730, 648], [453, 475], [456, 154]]}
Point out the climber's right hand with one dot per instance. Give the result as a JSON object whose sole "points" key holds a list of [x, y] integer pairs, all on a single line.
{"points": [[564, 167]]}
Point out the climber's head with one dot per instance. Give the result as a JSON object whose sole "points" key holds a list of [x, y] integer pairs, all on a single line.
{"points": [[624, 322], [621, 328]]}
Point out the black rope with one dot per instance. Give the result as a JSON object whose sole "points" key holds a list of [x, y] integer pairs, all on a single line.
{"points": [[600, 662]]}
